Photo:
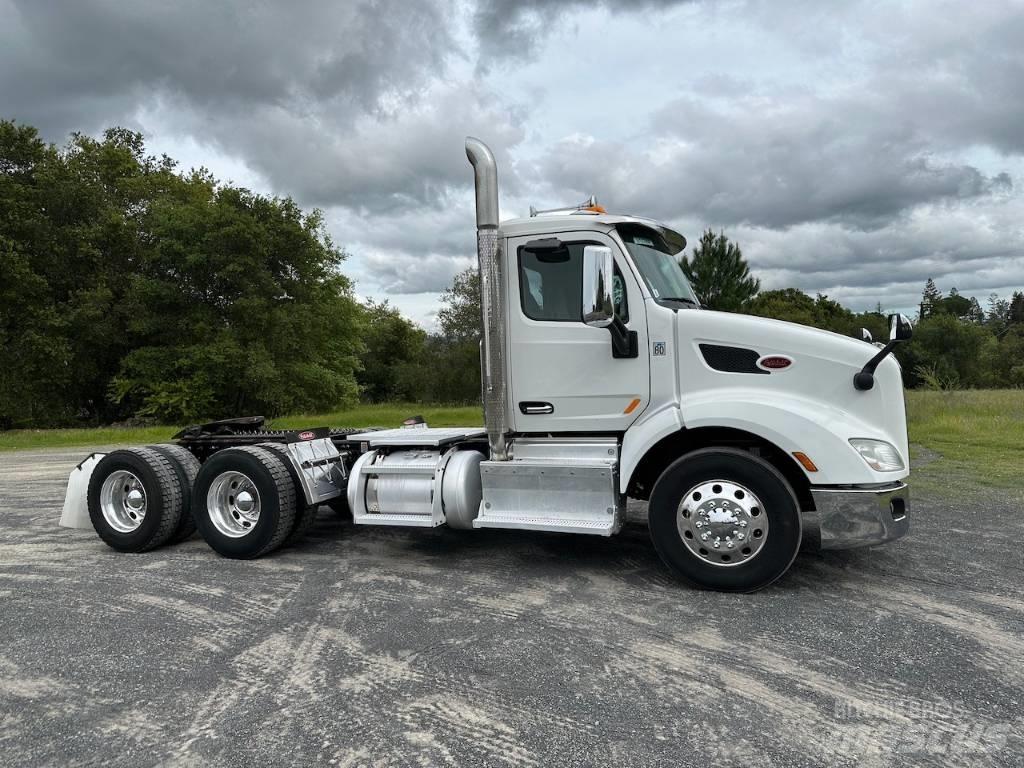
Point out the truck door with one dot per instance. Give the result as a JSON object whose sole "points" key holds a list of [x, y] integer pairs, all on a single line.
{"points": [[563, 375]]}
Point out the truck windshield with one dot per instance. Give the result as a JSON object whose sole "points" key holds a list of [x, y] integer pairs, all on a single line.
{"points": [[656, 260]]}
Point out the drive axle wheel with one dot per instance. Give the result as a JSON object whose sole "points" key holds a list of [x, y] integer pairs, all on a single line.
{"points": [[725, 519], [187, 468], [305, 514], [135, 499], [244, 502]]}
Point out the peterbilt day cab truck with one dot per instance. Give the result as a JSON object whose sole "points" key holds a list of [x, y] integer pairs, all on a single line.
{"points": [[603, 380]]}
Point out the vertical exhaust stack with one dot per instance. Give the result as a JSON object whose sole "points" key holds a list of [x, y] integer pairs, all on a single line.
{"points": [[492, 304]]}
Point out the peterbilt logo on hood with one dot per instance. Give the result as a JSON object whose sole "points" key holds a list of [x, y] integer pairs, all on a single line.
{"points": [[307, 435], [774, 362]]}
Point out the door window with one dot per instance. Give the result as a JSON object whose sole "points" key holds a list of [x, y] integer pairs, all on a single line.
{"points": [[551, 285]]}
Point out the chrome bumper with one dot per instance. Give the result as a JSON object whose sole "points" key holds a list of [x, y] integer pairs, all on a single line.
{"points": [[853, 516]]}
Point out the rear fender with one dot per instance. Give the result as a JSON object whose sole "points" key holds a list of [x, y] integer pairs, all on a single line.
{"points": [[76, 501]]}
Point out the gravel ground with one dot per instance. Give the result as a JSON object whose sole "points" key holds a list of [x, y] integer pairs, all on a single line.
{"points": [[366, 646]]}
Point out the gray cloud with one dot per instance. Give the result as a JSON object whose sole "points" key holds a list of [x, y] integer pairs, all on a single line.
{"points": [[77, 65], [514, 28], [774, 163], [333, 103], [850, 148]]}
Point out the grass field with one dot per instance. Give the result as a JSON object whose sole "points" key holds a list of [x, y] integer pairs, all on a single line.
{"points": [[974, 435]]}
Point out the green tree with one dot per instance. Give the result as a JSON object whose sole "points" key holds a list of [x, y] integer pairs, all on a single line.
{"points": [[455, 350], [950, 350], [998, 316], [460, 318], [132, 290], [955, 305], [930, 297], [260, 318], [719, 274], [1015, 312], [393, 360], [795, 306]]}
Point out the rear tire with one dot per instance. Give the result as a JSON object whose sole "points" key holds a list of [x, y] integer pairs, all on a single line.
{"points": [[187, 467], [305, 513], [724, 519], [135, 499], [244, 502]]}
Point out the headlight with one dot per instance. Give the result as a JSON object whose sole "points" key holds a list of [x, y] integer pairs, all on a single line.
{"points": [[880, 455]]}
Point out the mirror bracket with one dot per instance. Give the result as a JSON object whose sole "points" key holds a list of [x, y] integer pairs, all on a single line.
{"points": [[624, 341]]}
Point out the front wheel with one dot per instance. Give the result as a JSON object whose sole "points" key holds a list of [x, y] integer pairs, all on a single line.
{"points": [[724, 519]]}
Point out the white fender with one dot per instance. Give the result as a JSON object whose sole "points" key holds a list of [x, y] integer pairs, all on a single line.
{"points": [[639, 438], [76, 502], [791, 423]]}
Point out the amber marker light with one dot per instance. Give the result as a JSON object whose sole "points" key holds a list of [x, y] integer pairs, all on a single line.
{"points": [[805, 461], [632, 406]]}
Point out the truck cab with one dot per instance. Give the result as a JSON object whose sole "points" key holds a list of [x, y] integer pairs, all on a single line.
{"points": [[603, 380]]}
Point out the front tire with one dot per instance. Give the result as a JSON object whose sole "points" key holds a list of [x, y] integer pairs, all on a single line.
{"points": [[724, 519], [244, 502]]}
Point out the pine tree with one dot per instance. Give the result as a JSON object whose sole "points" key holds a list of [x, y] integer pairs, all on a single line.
{"points": [[930, 298], [1016, 313], [975, 313], [719, 274]]}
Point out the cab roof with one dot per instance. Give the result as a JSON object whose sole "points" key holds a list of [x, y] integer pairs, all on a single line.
{"points": [[584, 220]]}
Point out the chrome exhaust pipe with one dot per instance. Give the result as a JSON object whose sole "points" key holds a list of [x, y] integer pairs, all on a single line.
{"points": [[492, 309]]}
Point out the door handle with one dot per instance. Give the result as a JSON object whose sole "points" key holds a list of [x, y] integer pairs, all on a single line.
{"points": [[534, 408]]}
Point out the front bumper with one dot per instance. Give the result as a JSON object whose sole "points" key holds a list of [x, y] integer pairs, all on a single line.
{"points": [[857, 516]]}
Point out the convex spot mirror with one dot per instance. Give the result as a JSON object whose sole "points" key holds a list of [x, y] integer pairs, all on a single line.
{"points": [[598, 300], [900, 328], [548, 250]]}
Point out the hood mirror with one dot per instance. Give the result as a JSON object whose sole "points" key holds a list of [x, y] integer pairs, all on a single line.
{"points": [[900, 328], [865, 335]]}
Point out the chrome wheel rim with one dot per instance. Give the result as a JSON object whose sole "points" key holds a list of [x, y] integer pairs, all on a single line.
{"points": [[233, 504], [123, 501], [722, 523]]}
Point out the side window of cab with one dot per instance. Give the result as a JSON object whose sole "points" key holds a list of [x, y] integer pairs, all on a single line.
{"points": [[551, 284]]}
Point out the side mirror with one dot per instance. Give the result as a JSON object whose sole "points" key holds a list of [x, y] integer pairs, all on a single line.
{"points": [[598, 302], [865, 335], [900, 328]]}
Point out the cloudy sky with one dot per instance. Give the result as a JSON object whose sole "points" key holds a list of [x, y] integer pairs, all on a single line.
{"points": [[852, 148]]}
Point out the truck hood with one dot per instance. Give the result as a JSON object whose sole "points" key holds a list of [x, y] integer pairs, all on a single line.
{"points": [[715, 365], [717, 327]]}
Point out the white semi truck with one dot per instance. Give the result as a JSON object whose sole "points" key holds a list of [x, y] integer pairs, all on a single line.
{"points": [[603, 380]]}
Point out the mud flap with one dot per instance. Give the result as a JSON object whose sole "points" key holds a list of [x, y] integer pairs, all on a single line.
{"points": [[76, 502]]}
